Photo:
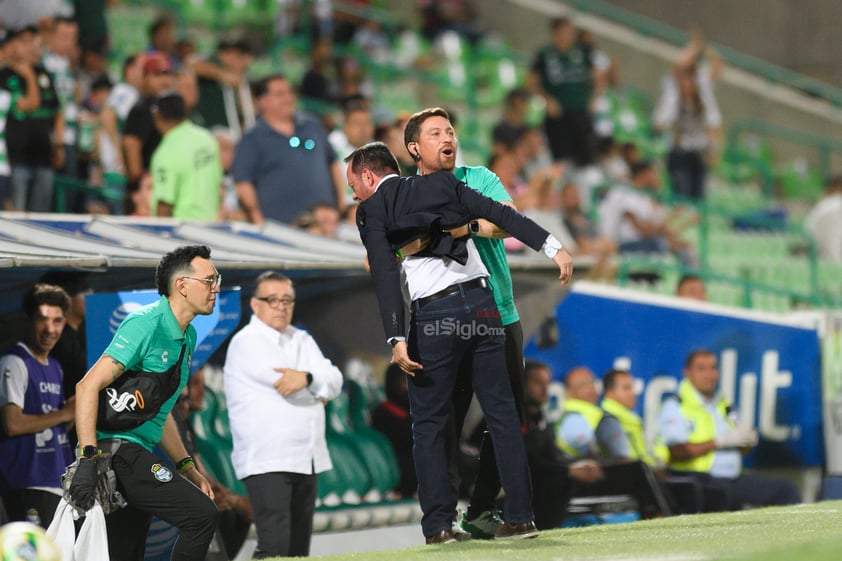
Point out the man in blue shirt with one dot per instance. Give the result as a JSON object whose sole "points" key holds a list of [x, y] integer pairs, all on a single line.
{"points": [[284, 164]]}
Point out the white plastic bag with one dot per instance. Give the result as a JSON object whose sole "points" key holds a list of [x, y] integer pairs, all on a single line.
{"points": [[62, 530], [92, 544]]}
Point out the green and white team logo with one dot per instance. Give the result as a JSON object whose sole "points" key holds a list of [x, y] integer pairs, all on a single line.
{"points": [[161, 473]]}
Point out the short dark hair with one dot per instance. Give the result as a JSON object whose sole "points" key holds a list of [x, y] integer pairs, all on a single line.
{"points": [[42, 293], [159, 23], [696, 353], [639, 167], [375, 156], [128, 61], [555, 23], [170, 107], [261, 87], [531, 366], [177, 261], [685, 278], [72, 282], [412, 131], [271, 276], [609, 380]]}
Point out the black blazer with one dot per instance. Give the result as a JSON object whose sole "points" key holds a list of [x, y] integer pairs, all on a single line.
{"points": [[406, 208]]}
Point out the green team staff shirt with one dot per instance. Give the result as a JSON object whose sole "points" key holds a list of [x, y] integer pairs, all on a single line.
{"points": [[150, 339], [492, 252], [187, 173]]}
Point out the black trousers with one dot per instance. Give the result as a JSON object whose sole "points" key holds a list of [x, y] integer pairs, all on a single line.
{"points": [[283, 505], [31, 505], [441, 349], [153, 489], [631, 478], [487, 485], [571, 136]]}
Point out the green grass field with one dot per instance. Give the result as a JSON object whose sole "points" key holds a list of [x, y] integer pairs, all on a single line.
{"points": [[811, 532]]}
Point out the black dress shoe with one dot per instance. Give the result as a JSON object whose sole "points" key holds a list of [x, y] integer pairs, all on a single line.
{"points": [[516, 531], [445, 536]]}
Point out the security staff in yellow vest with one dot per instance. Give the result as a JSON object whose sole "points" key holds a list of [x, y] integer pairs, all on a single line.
{"points": [[584, 429], [685, 495], [620, 401], [706, 442]]}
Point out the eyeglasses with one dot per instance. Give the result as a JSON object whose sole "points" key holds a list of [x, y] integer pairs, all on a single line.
{"points": [[212, 282], [276, 302]]}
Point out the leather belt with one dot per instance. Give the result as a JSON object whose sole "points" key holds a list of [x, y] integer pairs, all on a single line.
{"points": [[481, 282]]}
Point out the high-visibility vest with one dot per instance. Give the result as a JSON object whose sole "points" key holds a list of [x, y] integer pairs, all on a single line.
{"points": [[703, 426], [590, 412], [633, 427]]}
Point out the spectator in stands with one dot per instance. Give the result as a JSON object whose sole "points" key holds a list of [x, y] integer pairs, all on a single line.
{"points": [[122, 98], [57, 59], [235, 515], [824, 224], [34, 449], [585, 234], [93, 63], [71, 349], [186, 169], [553, 474], [391, 134], [687, 112], [93, 26], [33, 122], [5, 107], [439, 16], [564, 75], [634, 219], [318, 82], [611, 161], [284, 164], [392, 419], [230, 205], [706, 441], [188, 88], [162, 38], [347, 230], [357, 129], [585, 431], [140, 136], [222, 84], [691, 286], [276, 379], [513, 121], [325, 219]]}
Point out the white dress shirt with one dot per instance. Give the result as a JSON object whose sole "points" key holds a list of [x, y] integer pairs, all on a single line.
{"points": [[271, 432]]}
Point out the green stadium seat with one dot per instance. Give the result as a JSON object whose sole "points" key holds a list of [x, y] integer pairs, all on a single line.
{"points": [[213, 440]]}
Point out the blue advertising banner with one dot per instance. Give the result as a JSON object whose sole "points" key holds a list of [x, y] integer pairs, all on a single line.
{"points": [[770, 367], [105, 312]]}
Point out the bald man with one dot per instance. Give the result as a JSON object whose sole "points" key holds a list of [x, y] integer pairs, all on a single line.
{"points": [[586, 430]]}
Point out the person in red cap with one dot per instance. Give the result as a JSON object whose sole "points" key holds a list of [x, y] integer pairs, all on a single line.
{"points": [[140, 137]]}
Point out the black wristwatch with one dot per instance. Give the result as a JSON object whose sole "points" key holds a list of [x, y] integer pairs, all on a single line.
{"points": [[89, 452], [309, 379], [473, 226]]}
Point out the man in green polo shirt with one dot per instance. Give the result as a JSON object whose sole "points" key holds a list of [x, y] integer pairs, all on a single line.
{"points": [[186, 166], [154, 339], [430, 139]]}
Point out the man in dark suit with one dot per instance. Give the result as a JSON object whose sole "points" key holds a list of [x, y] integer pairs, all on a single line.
{"points": [[453, 316]]}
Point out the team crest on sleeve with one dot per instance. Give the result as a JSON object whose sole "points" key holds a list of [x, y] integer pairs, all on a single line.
{"points": [[161, 473]]}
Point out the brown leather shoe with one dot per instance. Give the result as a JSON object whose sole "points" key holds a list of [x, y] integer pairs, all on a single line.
{"points": [[516, 531], [445, 536]]}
